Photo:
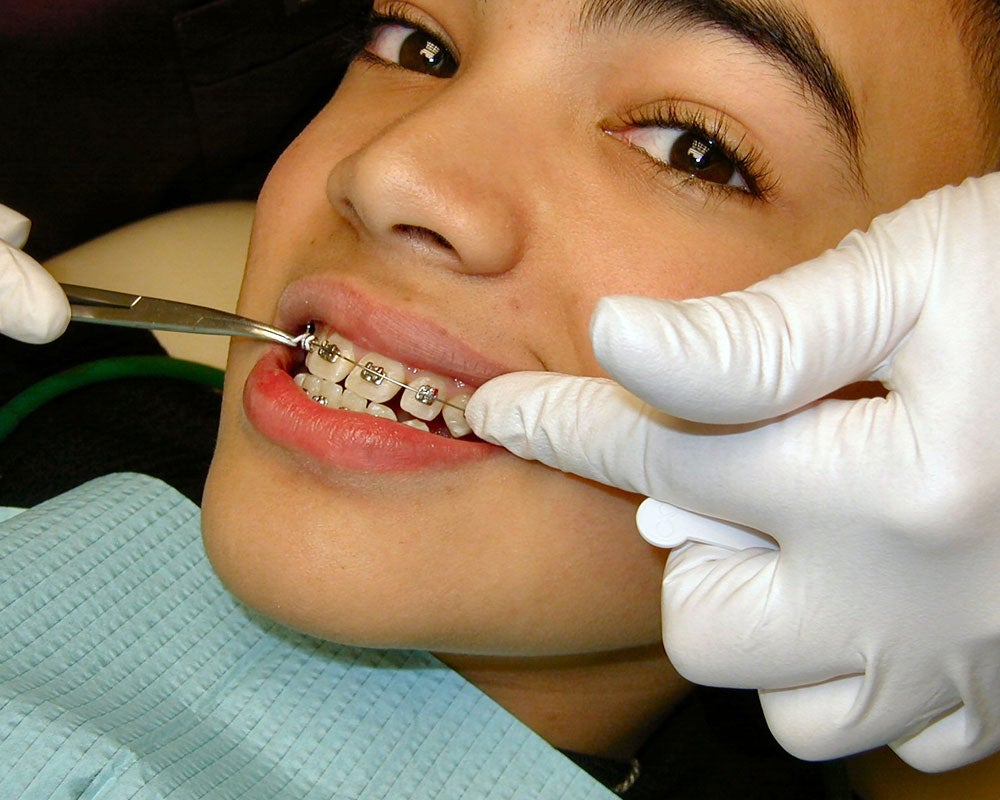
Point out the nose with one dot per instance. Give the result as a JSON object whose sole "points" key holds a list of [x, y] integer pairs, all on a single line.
{"points": [[430, 185]]}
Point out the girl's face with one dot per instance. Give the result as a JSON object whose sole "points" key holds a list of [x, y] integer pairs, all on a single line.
{"points": [[485, 173]]}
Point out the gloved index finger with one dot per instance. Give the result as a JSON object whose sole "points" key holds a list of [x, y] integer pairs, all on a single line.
{"points": [[784, 342]]}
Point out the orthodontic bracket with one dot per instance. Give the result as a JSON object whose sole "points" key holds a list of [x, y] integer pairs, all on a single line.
{"points": [[372, 373], [428, 395], [328, 351]]}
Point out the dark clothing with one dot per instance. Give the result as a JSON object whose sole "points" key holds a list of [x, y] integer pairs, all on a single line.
{"points": [[716, 745]]}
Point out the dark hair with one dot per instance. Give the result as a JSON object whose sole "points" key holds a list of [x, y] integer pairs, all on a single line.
{"points": [[979, 22]]}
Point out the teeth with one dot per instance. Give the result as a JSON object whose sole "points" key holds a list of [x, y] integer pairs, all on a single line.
{"points": [[332, 392], [379, 410], [317, 387], [423, 401], [454, 418], [352, 401], [369, 377], [327, 360], [371, 381]]}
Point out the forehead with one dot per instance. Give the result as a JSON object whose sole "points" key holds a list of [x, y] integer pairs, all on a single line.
{"points": [[909, 72]]}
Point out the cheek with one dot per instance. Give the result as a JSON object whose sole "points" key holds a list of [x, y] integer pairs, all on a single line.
{"points": [[292, 214], [675, 250], [678, 261]]}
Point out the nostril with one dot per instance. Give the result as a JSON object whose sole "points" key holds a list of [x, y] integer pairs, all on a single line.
{"points": [[423, 236]]}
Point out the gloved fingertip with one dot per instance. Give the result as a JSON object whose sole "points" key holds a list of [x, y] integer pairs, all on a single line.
{"points": [[33, 306], [14, 227], [659, 351], [477, 411], [621, 324], [38, 328], [44, 330], [949, 742], [608, 311], [499, 411]]}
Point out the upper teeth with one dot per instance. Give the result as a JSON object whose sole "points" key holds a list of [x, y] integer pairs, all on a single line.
{"points": [[372, 380]]}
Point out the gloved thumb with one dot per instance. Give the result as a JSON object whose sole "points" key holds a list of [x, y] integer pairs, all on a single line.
{"points": [[573, 424]]}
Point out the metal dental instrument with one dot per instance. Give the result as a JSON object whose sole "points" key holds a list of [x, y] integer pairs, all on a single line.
{"points": [[106, 307]]}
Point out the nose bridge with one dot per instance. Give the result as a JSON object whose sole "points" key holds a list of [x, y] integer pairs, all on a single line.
{"points": [[443, 175]]}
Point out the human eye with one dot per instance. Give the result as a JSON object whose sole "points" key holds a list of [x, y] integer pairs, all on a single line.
{"points": [[396, 40], [697, 149]]}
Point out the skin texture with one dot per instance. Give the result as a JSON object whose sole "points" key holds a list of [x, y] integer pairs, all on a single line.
{"points": [[501, 203]]}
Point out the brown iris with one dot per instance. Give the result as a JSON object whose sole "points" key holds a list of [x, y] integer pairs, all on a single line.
{"points": [[421, 53], [702, 158]]}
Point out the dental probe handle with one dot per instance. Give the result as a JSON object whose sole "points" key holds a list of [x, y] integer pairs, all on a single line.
{"points": [[664, 525], [105, 307]]}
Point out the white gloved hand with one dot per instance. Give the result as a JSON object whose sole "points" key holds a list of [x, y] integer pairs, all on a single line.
{"points": [[32, 306], [878, 621]]}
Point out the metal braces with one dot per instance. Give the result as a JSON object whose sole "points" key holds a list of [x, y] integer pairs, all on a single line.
{"points": [[426, 394]]}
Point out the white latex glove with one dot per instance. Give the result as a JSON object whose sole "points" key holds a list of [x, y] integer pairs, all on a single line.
{"points": [[32, 306], [878, 621]]}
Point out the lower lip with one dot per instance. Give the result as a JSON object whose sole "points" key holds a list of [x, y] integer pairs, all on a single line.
{"points": [[283, 413]]}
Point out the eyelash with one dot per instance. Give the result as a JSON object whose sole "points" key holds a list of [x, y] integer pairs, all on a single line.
{"points": [[748, 161], [394, 13]]}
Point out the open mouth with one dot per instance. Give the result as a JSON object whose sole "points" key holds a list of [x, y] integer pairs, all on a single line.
{"points": [[346, 400], [337, 374]]}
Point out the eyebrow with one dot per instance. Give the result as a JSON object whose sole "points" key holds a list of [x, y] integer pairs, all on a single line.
{"points": [[783, 35]]}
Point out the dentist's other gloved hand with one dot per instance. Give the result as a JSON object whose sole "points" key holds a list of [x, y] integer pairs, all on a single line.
{"points": [[878, 620], [32, 306]]}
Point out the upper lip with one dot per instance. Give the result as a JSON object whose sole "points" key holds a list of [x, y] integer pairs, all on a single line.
{"points": [[415, 340]]}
